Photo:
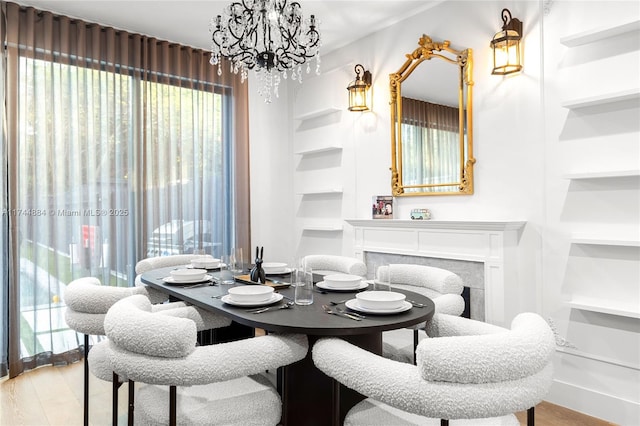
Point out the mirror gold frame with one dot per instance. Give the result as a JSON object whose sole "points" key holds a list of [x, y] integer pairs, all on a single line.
{"points": [[463, 60]]}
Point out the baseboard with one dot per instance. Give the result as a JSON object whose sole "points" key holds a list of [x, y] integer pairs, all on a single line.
{"points": [[596, 404]]}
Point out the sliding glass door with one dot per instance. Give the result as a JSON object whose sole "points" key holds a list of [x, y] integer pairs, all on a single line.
{"points": [[117, 147]]}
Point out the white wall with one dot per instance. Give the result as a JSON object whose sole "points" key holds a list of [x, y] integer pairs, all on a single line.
{"points": [[271, 177], [517, 123], [599, 371]]}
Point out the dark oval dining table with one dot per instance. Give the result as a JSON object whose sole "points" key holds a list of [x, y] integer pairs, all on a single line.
{"points": [[309, 397]]}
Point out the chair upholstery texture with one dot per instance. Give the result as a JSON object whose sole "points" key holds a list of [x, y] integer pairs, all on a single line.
{"points": [[88, 301], [440, 285], [224, 382], [478, 371], [332, 264], [157, 262]]}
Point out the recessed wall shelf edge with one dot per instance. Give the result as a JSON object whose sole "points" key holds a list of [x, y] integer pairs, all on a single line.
{"points": [[599, 34], [604, 241], [603, 99], [314, 150], [321, 191], [323, 228], [317, 113], [605, 307], [602, 174]]}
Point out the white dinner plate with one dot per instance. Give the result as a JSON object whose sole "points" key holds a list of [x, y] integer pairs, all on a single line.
{"points": [[217, 268], [353, 304], [171, 280], [360, 286], [276, 297], [285, 271]]}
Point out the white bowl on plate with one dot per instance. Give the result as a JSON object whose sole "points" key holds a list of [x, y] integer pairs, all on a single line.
{"points": [[342, 280], [184, 274], [380, 300], [250, 293], [205, 262], [274, 267]]}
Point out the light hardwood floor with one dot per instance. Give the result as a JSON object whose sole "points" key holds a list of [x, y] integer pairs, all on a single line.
{"points": [[53, 396]]}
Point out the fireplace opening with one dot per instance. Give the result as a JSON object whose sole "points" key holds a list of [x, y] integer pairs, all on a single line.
{"points": [[472, 274]]}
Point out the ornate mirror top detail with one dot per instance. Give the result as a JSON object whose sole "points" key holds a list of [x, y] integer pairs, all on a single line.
{"points": [[432, 121]]}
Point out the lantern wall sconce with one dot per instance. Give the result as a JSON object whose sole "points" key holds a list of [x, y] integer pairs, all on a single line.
{"points": [[506, 46], [360, 90]]}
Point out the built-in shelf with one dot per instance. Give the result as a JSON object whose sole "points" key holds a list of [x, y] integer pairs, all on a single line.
{"points": [[603, 174], [604, 241], [318, 149], [322, 227], [603, 306], [594, 35], [321, 191], [317, 113], [603, 99]]}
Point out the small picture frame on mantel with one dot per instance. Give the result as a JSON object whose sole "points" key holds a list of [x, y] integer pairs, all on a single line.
{"points": [[382, 207]]}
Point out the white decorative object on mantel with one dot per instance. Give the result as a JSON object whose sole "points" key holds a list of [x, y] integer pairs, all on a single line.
{"points": [[495, 243]]}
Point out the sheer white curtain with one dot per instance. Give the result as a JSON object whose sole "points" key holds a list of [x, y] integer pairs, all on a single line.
{"points": [[110, 136]]}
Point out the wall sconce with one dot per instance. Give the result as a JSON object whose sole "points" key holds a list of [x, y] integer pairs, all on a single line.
{"points": [[359, 90], [507, 57]]}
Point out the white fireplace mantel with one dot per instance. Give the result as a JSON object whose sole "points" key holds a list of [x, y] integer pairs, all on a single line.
{"points": [[495, 243]]}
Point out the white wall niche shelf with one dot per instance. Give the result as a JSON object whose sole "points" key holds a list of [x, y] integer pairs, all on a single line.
{"points": [[321, 191], [603, 306], [317, 113], [604, 240], [603, 174], [597, 34], [603, 99], [319, 149], [323, 227]]}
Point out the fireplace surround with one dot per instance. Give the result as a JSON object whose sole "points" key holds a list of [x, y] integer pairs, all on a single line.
{"points": [[483, 253]]}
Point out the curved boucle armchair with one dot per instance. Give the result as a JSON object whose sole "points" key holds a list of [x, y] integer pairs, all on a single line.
{"points": [[87, 303], [326, 264], [161, 351], [157, 262], [479, 371], [440, 285]]}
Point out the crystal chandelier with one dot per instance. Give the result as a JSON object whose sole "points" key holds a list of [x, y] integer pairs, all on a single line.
{"points": [[269, 36]]}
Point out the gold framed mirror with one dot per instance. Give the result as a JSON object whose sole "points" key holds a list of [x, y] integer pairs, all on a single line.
{"points": [[432, 121]]}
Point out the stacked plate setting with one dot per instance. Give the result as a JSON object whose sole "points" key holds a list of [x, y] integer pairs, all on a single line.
{"points": [[205, 262], [251, 295], [275, 268], [379, 302], [184, 275], [342, 282]]}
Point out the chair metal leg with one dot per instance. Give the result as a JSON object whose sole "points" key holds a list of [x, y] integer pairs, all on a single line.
{"points": [[415, 346], [86, 380], [115, 384], [444, 422], [335, 409], [172, 406], [531, 416], [131, 399]]}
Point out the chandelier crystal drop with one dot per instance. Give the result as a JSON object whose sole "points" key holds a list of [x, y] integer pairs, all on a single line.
{"points": [[270, 37]]}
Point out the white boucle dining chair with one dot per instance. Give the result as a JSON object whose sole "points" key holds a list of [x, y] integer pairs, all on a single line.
{"points": [[218, 384], [87, 303], [157, 262], [440, 285], [466, 370], [326, 264]]}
